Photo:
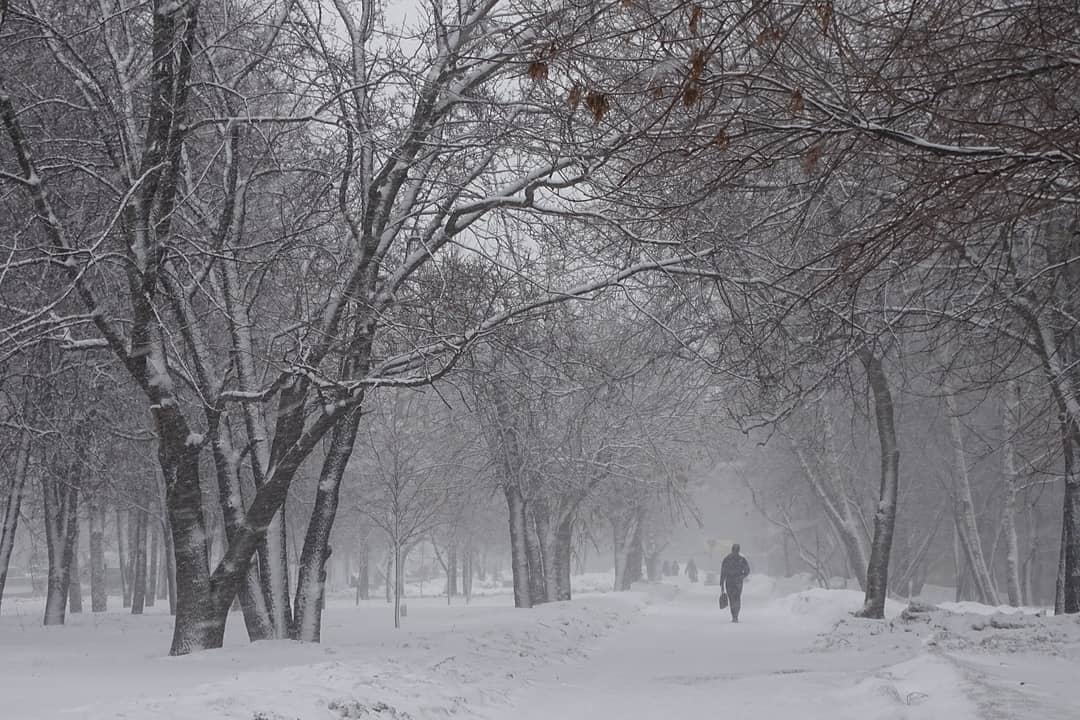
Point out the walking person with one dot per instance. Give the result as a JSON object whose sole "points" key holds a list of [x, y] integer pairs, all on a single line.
{"points": [[691, 570], [733, 571]]}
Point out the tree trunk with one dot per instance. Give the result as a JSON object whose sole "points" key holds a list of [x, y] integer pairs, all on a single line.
{"points": [[519, 551], [138, 559], [152, 573], [200, 623], [389, 584], [1012, 541], [452, 571], [399, 583], [564, 540], [467, 571], [11, 505], [273, 569], [652, 566], [635, 556], [1069, 565], [251, 596], [61, 530], [542, 573], [838, 508], [965, 509], [121, 558], [311, 582], [363, 573], [619, 548], [877, 572], [534, 547], [99, 592], [170, 566], [75, 576]]}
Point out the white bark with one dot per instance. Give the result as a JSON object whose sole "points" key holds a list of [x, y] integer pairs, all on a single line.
{"points": [[967, 524], [1012, 543]]}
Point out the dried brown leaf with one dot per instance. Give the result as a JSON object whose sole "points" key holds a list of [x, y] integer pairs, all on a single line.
{"points": [[695, 17], [698, 60], [537, 70], [574, 97], [691, 94], [797, 103], [598, 105]]}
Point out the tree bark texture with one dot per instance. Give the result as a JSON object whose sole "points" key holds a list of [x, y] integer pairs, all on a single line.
{"points": [[311, 582], [519, 551], [10, 506], [152, 571], [61, 496], [877, 572], [122, 560], [251, 595], [75, 599]]}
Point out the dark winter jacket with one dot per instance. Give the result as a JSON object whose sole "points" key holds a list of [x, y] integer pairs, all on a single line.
{"points": [[734, 570]]}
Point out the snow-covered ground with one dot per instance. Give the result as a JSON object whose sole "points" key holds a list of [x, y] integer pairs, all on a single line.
{"points": [[658, 652]]}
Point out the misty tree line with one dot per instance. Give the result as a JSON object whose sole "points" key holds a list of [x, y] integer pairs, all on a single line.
{"points": [[544, 250]]}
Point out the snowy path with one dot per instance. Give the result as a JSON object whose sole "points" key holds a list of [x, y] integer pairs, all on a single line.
{"points": [[685, 659], [625, 656]]}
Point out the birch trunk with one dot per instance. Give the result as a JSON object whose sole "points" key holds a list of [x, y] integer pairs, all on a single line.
{"points": [[965, 509], [1012, 542], [877, 572], [311, 582], [839, 513], [11, 506]]}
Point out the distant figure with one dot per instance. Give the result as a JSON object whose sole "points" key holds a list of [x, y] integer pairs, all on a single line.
{"points": [[733, 571], [665, 569], [675, 568], [691, 570]]}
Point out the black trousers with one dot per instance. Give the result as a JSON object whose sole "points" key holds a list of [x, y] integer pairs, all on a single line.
{"points": [[734, 594]]}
